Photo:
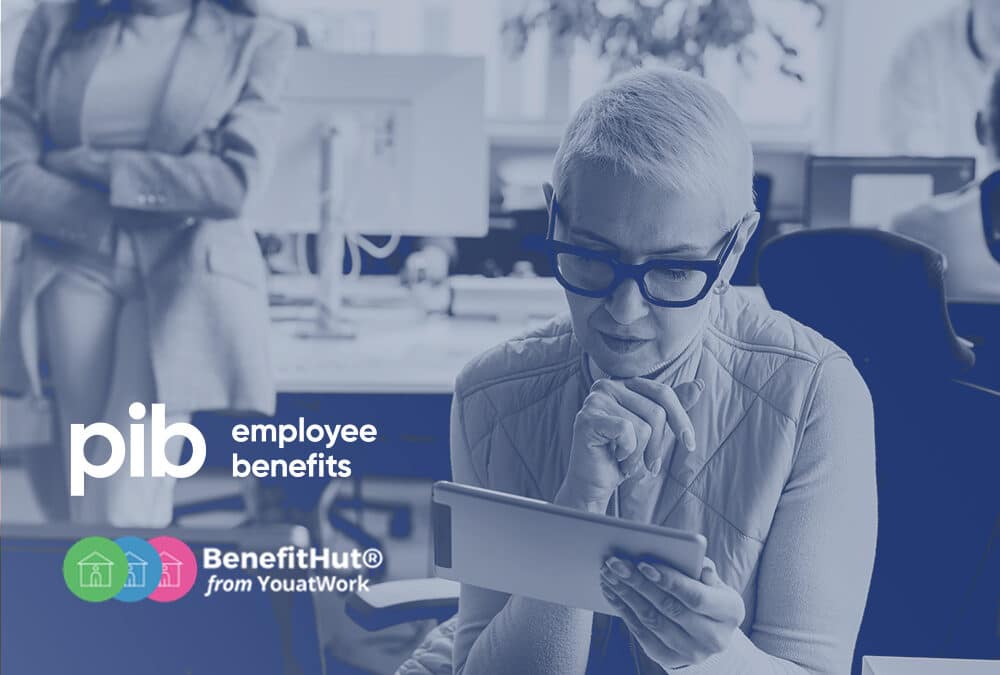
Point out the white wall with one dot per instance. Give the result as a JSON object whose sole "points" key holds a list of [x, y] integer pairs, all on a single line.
{"points": [[868, 33]]}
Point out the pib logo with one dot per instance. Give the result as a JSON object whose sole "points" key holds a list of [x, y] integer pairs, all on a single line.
{"points": [[130, 569], [160, 431]]}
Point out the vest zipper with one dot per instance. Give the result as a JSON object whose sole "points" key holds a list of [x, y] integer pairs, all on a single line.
{"points": [[635, 654], [628, 635]]}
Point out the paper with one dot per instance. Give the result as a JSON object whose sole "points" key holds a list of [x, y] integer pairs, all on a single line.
{"points": [[876, 199]]}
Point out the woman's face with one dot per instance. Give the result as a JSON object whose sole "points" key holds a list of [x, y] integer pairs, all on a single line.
{"points": [[635, 220]]}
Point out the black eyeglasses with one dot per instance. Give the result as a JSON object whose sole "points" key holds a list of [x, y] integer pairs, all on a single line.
{"points": [[664, 282]]}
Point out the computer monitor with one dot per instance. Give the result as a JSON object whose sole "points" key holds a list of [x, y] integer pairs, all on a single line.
{"points": [[871, 191], [398, 143]]}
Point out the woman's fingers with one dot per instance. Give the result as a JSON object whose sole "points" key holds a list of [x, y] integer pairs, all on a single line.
{"points": [[661, 638], [675, 404], [649, 642], [619, 431], [705, 630], [709, 574], [715, 601], [658, 413], [652, 415], [605, 396]]}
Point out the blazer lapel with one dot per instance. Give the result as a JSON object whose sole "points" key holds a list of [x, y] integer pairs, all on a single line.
{"points": [[204, 54], [64, 112]]}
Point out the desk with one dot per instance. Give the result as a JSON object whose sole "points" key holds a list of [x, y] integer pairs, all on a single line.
{"points": [[886, 665], [395, 351], [399, 349]]}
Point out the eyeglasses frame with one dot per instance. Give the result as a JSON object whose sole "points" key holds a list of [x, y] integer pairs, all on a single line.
{"points": [[637, 272]]}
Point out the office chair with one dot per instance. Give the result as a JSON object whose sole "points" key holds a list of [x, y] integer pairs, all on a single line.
{"points": [[880, 296], [745, 273], [989, 201], [380, 641], [979, 320]]}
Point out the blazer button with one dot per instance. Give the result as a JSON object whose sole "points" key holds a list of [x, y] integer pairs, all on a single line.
{"points": [[190, 221]]}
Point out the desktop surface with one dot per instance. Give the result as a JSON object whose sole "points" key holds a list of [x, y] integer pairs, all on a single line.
{"points": [[398, 348]]}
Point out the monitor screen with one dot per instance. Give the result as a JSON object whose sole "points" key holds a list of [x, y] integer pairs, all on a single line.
{"points": [[384, 143], [873, 191]]}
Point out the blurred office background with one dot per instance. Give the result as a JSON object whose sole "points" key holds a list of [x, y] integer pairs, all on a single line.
{"points": [[418, 135], [806, 76]]}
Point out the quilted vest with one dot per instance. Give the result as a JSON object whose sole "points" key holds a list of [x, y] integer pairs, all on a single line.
{"points": [[519, 400]]}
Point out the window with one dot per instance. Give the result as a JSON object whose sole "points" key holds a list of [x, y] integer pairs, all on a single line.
{"points": [[536, 92]]}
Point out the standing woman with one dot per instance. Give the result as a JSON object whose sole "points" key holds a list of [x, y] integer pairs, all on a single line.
{"points": [[132, 133]]}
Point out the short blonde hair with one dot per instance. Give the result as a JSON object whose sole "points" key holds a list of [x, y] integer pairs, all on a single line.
{"points": [[666, 126]]}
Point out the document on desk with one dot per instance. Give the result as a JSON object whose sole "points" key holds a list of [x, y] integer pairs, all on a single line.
{"points": [[876, 199], [886, 665]]}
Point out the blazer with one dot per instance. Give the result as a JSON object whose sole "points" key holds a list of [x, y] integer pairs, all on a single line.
{"points": [[210, 147]]}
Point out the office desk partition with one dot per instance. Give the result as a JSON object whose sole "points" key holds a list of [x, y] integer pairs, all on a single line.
{"points": [[885, 665]]}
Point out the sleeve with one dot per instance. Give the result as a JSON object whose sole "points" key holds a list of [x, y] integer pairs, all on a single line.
{"points": [[31, 195], [817, 561], [214, 183], [910, 117], [476, 606]]}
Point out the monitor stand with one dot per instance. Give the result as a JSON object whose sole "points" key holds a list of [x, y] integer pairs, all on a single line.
{"points": [[331, 322]]}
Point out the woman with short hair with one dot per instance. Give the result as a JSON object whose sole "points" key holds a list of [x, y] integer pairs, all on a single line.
{"points": [[667, 397]]}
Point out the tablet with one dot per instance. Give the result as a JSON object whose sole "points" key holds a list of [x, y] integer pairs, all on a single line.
{"points": [[528, 547]]}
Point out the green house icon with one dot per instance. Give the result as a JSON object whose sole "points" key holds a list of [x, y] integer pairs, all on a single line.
{"points": [[95, 571]]}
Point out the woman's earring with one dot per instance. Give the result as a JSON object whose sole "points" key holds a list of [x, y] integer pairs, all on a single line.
{"points": [[721, 287]]}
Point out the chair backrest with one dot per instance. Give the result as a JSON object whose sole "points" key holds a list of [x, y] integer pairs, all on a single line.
{"points": [[989, 201], [745, 273], [878, 295]]}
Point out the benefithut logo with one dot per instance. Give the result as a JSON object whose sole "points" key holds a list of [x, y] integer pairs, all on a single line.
{"points": [[130, 569], [160, 431]]}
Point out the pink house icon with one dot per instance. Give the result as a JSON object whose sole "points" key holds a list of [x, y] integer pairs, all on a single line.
{"points": [[171, 571]]}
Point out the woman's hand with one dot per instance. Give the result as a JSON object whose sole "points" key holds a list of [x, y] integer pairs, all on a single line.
{"points": [[677, 620], [625, 427], [80, 163]]}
